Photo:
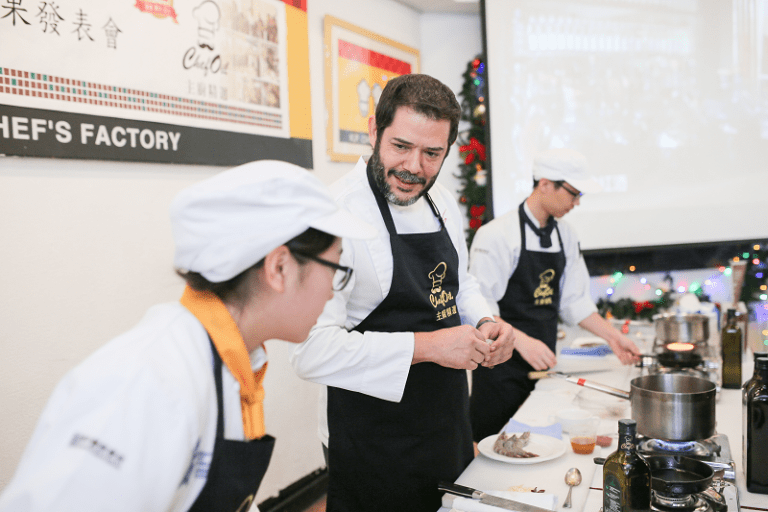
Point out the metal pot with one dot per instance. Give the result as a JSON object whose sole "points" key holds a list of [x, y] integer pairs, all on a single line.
{"points": [[667, 406], [689, 327]]}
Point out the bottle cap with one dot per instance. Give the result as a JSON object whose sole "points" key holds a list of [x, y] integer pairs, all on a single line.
{"points": [[627, 424]]}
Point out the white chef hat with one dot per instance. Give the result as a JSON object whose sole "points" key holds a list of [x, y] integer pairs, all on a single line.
{"points": [[566, 165], [225, 224]]}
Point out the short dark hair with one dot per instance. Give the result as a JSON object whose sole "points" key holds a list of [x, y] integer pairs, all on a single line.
{"points": [[424, 94], [557, 184], [311, 241]]}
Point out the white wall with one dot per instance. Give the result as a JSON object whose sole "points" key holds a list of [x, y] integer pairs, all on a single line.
{"points": [[448, 42], [85, 249]]}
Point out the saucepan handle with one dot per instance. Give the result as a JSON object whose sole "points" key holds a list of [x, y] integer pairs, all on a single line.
{"points": [[598, 387]]}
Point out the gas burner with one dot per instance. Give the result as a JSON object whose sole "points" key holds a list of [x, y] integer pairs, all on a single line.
{"points": [[686, 503], [671, 446], [703, 449], [697, 371]]}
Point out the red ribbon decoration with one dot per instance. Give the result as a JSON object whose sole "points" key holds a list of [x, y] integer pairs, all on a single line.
{"points": [[474, 148], [639, 306], [477, 210]]}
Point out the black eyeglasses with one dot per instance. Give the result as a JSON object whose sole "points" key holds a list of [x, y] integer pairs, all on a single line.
{"points": [[340, 278], [575, 193]]}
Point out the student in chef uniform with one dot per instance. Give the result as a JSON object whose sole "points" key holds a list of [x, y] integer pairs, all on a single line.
{"points": [[529, 266], [168, 416], [394, 346]]}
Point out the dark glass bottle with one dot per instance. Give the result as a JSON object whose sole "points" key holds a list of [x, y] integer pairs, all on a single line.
{"points": [[745, 389], [731, 343], [626, 475], [755, 376], [756, 453]]}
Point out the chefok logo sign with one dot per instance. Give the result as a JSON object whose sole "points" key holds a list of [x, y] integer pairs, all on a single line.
{"points": [[543, 293], [442, 300]]}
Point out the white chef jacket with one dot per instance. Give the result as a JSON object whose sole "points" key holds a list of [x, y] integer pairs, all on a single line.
{"points": [[131, 428], [377, 363], [496, 251]]}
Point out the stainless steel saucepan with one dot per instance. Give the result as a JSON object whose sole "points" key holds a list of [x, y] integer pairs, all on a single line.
{"points": [[678, 327], [669, 406]]}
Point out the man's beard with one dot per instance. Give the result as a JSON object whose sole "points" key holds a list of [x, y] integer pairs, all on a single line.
{"points": [[380, 175]]}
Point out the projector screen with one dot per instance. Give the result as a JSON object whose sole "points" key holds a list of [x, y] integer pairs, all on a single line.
{"points": [[667, 99]]}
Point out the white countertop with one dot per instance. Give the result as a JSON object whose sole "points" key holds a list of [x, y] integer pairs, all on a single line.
{"points": [[554, 394]]}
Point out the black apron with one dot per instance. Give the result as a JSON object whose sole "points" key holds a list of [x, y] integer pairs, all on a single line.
{"points": [[237, 467], [531, 304], [386, 456]]}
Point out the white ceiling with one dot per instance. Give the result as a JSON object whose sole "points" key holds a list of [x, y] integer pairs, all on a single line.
{"points": [[452, 6]]}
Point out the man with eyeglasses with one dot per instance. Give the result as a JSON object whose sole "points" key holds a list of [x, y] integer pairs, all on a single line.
{"points": [[530, 269], [393, 347]]}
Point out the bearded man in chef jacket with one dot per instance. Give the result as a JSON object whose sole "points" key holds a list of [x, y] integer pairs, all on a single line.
{"points": [[394, 346], [168, 417], [529, 266]]}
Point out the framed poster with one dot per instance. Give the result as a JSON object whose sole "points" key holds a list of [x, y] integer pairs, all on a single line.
{"points": [[217, 82], [358, 64]]}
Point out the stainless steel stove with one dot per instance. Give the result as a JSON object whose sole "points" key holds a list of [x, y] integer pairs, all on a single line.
{"points": [[721, 496], [710, 367], [708, 350]]}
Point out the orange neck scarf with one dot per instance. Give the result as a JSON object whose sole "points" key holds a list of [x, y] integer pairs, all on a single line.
{"points": [[213, 314]]}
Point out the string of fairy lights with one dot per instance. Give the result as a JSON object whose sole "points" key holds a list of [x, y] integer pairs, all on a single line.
{"points": [[646, 294]]}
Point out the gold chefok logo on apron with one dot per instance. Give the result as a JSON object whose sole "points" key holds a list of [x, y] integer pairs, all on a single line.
{"points": [[542, 296], [438, 297]]}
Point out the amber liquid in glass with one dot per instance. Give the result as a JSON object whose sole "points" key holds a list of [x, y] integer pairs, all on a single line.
{"points": [[583, 445]]}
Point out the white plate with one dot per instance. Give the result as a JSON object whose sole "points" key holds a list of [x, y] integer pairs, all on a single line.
{"points": [[588, 342], [546, 447]]}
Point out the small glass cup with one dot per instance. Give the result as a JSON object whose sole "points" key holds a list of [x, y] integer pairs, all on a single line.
{"points": [[583, 434]]}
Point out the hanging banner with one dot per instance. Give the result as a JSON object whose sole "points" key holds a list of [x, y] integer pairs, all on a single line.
{"points": [[183, 81]]}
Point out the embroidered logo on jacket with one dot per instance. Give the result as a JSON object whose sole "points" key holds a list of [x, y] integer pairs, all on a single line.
{"points": [[98, 449], [199, 465]]}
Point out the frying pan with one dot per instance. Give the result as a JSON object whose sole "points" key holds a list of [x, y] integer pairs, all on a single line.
{"points": [[677, 359], [675, 475]]}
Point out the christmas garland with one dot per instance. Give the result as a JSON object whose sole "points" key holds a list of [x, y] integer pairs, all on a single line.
{"points": [[472, 173]]}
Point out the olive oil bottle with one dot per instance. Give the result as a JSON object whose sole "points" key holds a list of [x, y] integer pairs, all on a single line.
{"points": [[731, 343], [626, 475], [745, 390], [756, 453]]}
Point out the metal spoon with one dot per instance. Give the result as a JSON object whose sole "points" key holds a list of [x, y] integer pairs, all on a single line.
{"points": [[572, 478]]}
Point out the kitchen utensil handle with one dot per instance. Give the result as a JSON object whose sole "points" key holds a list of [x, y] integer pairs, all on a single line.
{"points": [[459, 490], [567, 503], [599, 387]]}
